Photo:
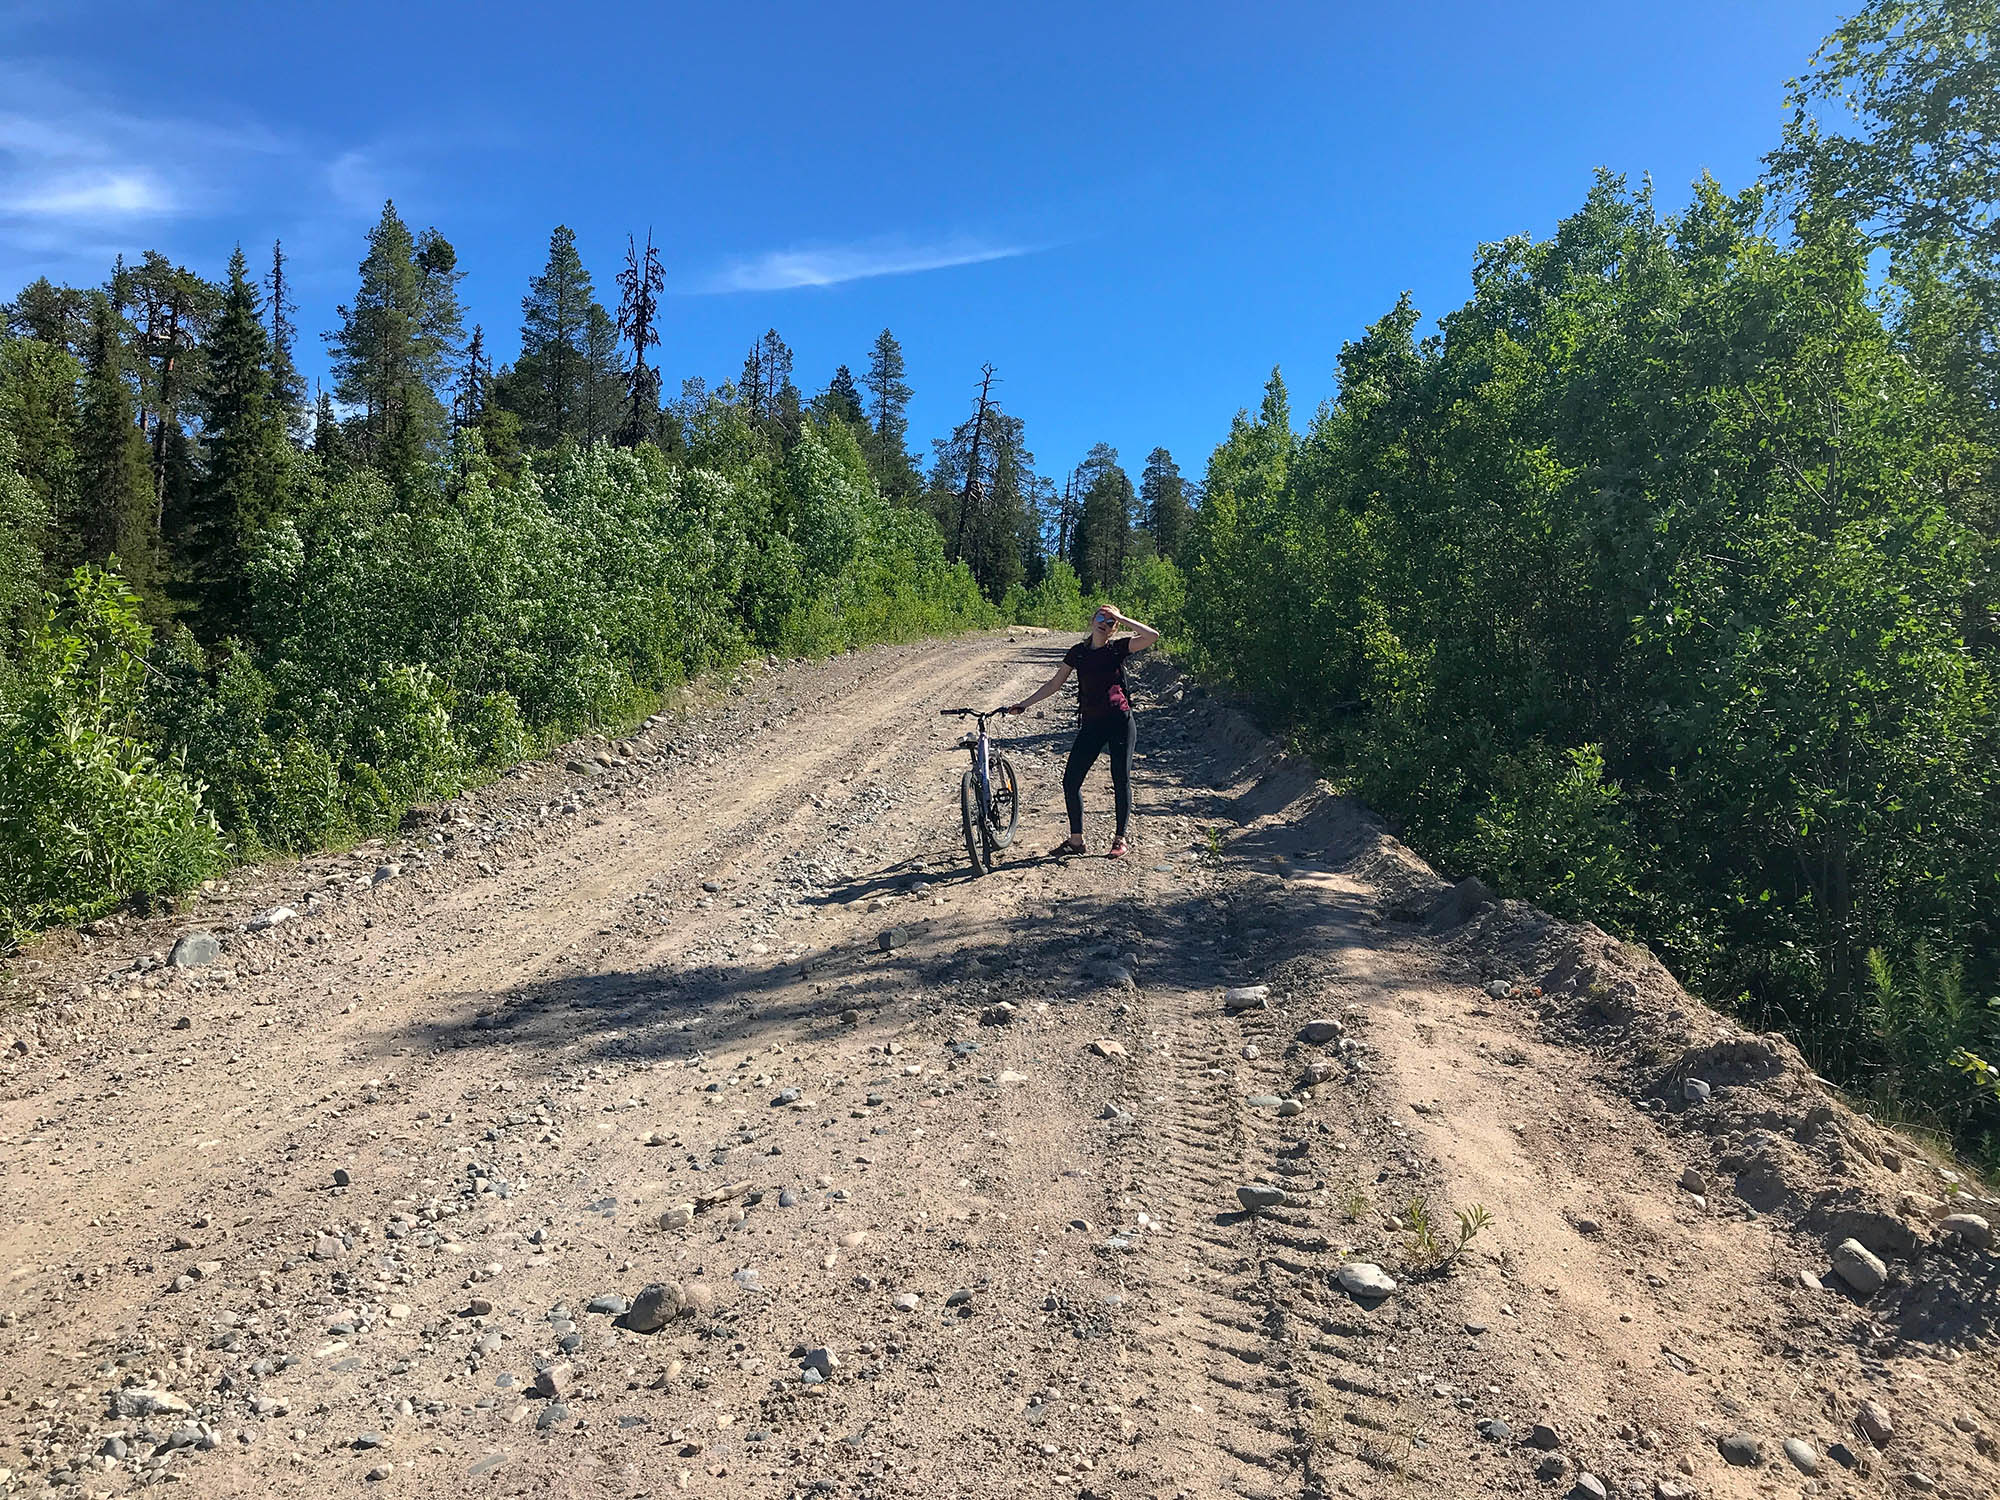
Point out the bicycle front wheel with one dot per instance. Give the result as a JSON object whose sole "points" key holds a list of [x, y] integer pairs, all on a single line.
{"points": [[1005, 811], [968, 808]]}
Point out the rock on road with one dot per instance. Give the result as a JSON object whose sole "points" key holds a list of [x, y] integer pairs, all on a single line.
{"points": [[590, 1139]]}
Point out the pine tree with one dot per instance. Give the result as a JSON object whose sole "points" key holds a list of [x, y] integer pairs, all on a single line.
{"points": [[982, 492], [1007, 540], [440, 320], [1063, 521], [58, 316], [115, 515], [288, 386], [1163, 492], [392, 352], [639, 287], [173, 308], [239, 491], [888, 452]]}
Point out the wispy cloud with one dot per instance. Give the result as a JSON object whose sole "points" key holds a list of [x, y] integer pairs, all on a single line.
{"points": [[72, 162], [92, 195], [830, 265], [355, 183]]}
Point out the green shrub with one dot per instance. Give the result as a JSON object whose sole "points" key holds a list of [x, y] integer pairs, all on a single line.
{"points": [[306, 806], [89, 815], [1553, 830], [1055, 600], [1152, 589], [1927, 1020], [497, 735], [1653, 586], [403, 729], [407, 640]]}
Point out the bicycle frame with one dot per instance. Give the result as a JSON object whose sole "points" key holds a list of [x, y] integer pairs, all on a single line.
{"points": [[981, 750], [982, 766]]}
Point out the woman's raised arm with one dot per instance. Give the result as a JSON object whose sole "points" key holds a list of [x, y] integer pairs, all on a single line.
{"points": [[1142, 635]]}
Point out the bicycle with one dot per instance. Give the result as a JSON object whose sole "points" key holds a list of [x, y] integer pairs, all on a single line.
{"points": [[989, 795]]}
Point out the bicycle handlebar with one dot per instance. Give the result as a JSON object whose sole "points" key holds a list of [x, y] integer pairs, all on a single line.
{"points": [[971, 713]]}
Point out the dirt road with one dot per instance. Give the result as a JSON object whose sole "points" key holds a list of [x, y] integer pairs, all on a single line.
{"points": [[363, 1203]]}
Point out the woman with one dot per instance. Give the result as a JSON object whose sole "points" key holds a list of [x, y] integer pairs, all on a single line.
{"points": [[1104, 718]]}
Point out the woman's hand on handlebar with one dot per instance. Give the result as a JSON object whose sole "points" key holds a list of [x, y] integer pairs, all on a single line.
{"points": [[1014, 708]]}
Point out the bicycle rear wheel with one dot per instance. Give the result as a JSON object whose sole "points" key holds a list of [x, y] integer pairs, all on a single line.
{"points": [[975, 834], [1005, 810]]}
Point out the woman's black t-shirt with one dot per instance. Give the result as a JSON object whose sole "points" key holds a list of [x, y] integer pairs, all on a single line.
{"points": [[1100, 675]]}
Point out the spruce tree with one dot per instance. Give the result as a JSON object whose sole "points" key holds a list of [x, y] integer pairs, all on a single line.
{"points": [[750, 383], [326, 433], [1163, 493], [603, 384], [475, 381], [239, 490], [843, 400], [38, 410], [1103, 528], [392, 352], [115, 515], [288, 386], [888, 453], [548, 384]]}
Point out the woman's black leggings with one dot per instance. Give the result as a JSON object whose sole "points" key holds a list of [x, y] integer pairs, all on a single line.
{"points": [[1113, 732]]}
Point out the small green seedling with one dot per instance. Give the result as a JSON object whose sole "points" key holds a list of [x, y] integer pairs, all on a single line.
{"points": [[1428, 1251]]}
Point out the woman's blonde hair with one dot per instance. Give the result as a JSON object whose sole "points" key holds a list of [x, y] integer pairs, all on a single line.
{"points": [[1102, 606]]}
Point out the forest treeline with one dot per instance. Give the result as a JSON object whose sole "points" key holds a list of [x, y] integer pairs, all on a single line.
{"points": [[1656, 585], [241, 618]]}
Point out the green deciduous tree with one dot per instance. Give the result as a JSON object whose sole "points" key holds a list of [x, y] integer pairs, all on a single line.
{"points": [[1640, 589], [1919, 159], [90, 813]]}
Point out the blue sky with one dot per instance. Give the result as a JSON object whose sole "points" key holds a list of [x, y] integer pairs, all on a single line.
{"points": [[1133, 211]]}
